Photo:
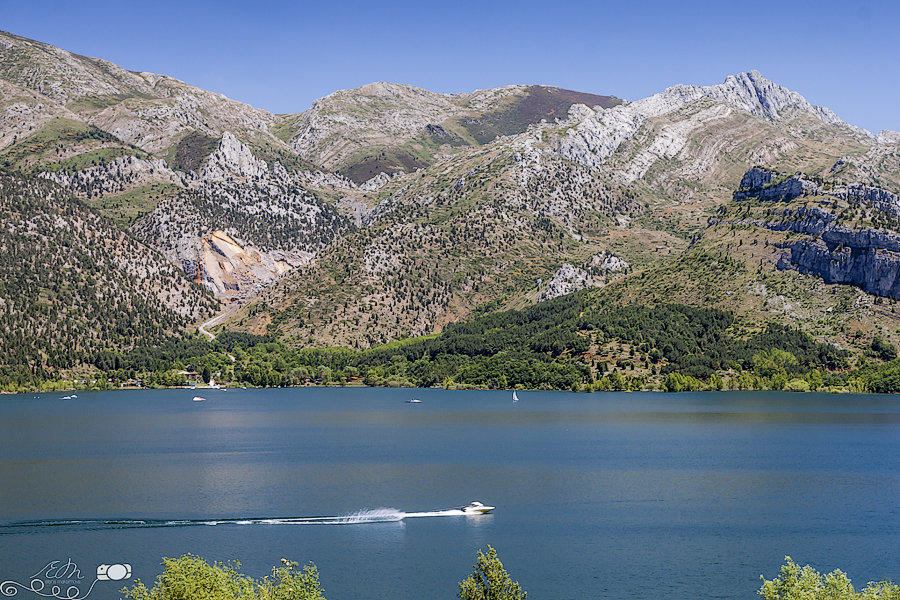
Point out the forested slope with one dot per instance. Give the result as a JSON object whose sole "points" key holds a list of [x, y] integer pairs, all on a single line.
{"points": [[72, 283]]}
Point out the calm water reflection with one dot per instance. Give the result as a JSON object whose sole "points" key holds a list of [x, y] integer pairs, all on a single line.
{"points": [[598, 496]]}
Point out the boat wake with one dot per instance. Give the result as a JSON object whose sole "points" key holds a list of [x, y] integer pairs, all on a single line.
{"points": [[377, 515]]}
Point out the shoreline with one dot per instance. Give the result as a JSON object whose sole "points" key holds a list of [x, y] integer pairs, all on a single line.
{"points": [[437, 387]]}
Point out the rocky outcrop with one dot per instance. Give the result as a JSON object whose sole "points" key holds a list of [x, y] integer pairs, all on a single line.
{"points": [[861, 256], [763, 184], [766, 185], [375, 182], [864, 257], [886, 136], [876, 197], [566, 280], [762, 97], [605, 262], [857, 262], [233, 159], [595, 273]]}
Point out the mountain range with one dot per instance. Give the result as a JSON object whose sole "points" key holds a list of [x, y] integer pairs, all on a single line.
{"points": [[388, 211]]}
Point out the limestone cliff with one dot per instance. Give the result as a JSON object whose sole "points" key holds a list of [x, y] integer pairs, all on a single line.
{"points": [[838, 241]]}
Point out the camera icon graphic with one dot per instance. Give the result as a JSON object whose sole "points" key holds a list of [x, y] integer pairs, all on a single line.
{"points": [[115, 572]]}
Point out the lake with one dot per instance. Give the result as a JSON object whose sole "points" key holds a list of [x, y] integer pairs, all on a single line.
{"points": [[614, 495]]}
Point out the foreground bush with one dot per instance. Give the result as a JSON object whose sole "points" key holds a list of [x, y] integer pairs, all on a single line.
{"points": [[192, 578], [489, 581], [805, 583]]}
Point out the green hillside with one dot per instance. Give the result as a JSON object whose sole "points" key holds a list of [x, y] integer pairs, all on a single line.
{"points": [[72, 284]]}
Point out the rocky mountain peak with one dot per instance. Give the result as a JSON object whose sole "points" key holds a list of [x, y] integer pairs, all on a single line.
{"points": [[762, 97], [233, 158], [595, 134], [886, 136]]}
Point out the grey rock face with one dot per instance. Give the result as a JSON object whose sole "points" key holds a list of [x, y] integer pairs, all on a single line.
{"points": [[865, 257], [871, 268], [375, 182], [768, 185], [759, 96], [233, 159], [877, 197]]}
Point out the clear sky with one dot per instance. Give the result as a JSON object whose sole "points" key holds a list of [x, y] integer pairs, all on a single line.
{"points": [[281, 55]]}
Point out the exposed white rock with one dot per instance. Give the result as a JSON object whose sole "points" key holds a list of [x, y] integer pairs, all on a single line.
{"points": [[886, 136], [375, 182], [233, 159], [596, 134], [669, 140], [566, 280], [605, 261], [595, 273]]}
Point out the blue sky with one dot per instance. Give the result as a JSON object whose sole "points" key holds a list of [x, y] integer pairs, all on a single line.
{"points": [[280, 56]]}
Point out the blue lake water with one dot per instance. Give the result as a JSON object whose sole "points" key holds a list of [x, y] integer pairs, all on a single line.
{"points": [[598, 495]]}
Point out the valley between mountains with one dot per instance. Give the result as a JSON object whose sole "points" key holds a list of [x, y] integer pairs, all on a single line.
{"points": [[501, 238]]}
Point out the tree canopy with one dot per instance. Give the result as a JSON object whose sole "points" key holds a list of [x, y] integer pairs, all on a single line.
{"points": [[489, 581], [805, 583]]}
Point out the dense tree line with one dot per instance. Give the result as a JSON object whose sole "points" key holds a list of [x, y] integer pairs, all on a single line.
{"points": [[570, 343]]}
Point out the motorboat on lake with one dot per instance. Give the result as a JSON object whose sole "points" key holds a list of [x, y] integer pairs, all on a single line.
{"points": [[414, 401], [476, 508], [199, 399]]}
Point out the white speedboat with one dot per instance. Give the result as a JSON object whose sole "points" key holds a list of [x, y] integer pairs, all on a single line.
{"points": [[414, 401], [476, 508], [199, 399]]}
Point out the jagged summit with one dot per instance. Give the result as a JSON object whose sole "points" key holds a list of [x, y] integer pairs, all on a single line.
{"points": [[750, 91], [760, 96], [596, 135]]}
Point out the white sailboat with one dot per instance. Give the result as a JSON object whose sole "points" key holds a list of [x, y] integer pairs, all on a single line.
{"points": [[515, 397]]}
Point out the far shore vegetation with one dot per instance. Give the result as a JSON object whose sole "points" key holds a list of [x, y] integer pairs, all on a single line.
{"points": [[569, 343]]}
